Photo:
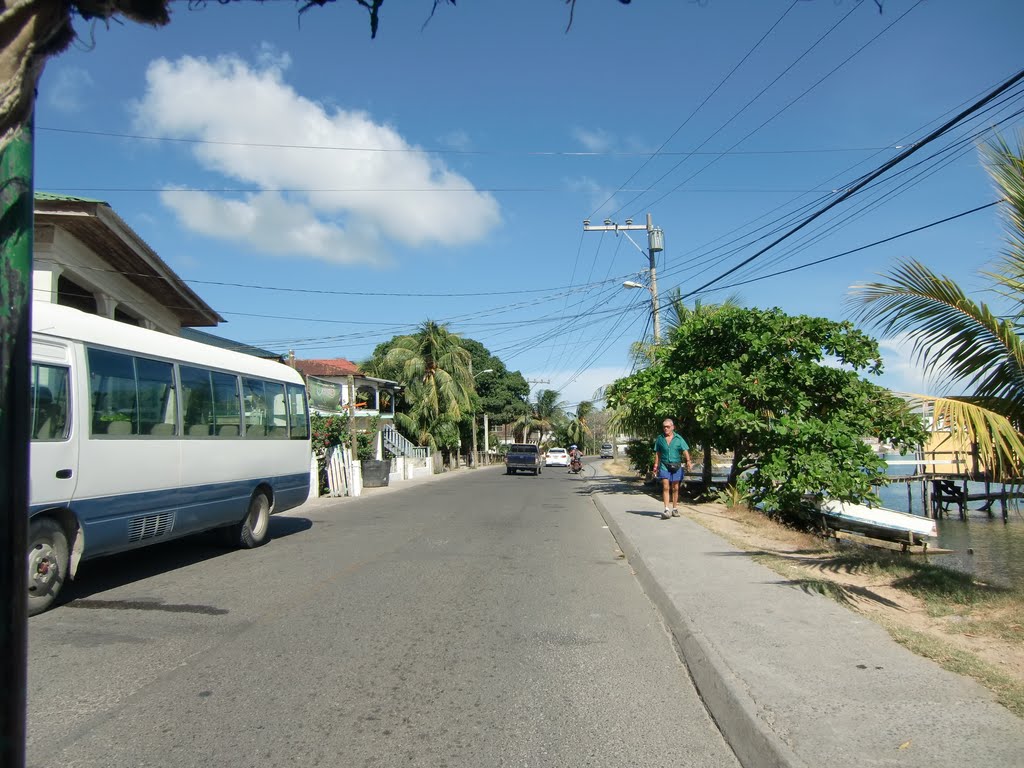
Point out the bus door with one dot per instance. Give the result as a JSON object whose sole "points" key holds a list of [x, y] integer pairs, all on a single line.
{"points": [[53, 458]]}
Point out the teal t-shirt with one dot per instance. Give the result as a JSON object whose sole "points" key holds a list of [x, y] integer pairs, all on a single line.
{"points": [[671, 452]]}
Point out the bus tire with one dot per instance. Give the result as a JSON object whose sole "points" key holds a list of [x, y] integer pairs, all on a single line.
{"points": [[252, 531], [47, 563]]}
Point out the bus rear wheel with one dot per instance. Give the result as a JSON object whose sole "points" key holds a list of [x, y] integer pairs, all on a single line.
{"points": [[47, 563], [252, 531]]}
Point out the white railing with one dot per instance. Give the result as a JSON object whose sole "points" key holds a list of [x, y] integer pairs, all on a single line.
{"points": [[400, 446]]}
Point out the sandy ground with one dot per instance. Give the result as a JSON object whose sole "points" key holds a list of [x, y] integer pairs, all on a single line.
{"points": [[810, 559]]}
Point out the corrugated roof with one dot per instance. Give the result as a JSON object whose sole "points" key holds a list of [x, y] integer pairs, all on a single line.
{"points": [[339, 366], [54, 197]]}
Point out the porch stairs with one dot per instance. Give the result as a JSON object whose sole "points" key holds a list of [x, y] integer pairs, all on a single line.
{"points": [[400, 446]]}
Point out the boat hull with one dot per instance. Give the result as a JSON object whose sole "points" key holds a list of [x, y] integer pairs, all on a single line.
{"points": [[878, 522]]}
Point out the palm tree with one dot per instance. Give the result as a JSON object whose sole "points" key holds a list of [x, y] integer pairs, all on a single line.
{"points": [[546, 412], [577, 429], [435, 369], [964, 341]]}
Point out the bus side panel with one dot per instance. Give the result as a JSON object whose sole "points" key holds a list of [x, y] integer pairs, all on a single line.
{"points": [[53, 458], [220, 475]]}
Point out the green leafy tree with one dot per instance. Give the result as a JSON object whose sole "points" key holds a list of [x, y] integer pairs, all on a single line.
{"points": [[500, 393], [966, 342], [754, 382], [679, 315]]}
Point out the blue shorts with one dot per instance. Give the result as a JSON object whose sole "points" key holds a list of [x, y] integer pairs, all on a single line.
{"points": [[673, 477]]}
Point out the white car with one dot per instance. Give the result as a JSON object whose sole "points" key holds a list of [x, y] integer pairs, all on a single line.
{"points": [[556, 457]]}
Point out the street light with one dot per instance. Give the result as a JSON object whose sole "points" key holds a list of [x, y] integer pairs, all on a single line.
{"points": [[655, 244], [654, 303], [475, 457]]}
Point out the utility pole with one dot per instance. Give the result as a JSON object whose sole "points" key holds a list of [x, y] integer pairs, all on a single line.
{"points": [[655, 243], [16, 206]]}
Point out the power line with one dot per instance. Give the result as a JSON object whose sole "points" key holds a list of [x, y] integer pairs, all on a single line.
{"points": [[440, 150], [789, 104], [863, 247], [695, 111], [944, 128]]}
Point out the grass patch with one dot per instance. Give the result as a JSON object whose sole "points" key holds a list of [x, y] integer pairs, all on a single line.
{"points": [[1008, 691]]}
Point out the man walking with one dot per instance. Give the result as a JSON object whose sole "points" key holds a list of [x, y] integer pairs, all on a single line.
{"points": [[670, 451]]}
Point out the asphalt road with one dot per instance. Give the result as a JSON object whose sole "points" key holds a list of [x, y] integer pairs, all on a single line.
{"points": [[472, 620]]}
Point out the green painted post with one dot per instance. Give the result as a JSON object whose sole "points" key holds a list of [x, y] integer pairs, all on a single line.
{"points": [[15, 336]]}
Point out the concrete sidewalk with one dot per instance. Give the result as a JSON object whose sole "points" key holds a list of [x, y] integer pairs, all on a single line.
{"points": [[792, 678]]}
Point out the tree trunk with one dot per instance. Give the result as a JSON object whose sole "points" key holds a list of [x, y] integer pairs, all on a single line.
{"points": [[706, 472], [738, 456]]}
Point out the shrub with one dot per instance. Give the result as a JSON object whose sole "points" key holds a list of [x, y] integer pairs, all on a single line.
{"points": [[640, 454], [327, 431]]}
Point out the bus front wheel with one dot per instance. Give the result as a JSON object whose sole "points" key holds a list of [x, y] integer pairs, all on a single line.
{"points": [[252, 531], [47, 563]]}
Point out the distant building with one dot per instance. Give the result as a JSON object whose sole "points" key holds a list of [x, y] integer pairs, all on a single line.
{"points": [[327, 383]]}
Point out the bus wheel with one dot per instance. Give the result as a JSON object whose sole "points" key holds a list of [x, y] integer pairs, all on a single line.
{"points": [[252, 531], [47, 563]]}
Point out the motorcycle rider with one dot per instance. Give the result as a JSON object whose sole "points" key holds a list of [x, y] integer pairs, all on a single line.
{"points": [[575, 459]]}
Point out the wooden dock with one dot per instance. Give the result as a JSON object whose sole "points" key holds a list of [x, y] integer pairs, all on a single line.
{"points": [[940, 492]]}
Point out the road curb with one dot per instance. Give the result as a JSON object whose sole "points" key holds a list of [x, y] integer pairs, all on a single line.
{"points": [[725, 695]]}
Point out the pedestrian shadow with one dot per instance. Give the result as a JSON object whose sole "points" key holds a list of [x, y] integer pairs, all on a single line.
{"points": [[645, 512]]}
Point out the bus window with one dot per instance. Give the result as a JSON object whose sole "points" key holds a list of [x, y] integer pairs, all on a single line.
{"points": [[196, 401], [49, 402], [157, 403], [277, 411], [299, 415], [255, 399], [112, 392], [227, 413]]}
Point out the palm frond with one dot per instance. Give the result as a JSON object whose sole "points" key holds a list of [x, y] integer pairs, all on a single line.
{"points": [[952, 335], [1000, 445], [1006, 167]]}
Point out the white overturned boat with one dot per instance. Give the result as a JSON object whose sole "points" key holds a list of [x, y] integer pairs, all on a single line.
{"points": [[878, 522]]}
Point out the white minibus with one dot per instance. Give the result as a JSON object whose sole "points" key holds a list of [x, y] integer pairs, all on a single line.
{"points": [[139, 437]]}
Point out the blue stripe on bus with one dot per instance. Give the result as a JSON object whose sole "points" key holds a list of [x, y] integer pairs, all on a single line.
{"points": [[105, 520]]}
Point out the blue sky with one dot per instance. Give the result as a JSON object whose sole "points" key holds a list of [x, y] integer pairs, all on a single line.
{"points": [[374, 179]]}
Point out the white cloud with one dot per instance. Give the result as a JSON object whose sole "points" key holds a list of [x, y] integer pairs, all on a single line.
{"points": [[67, 90], [279, 227], [600, 199], [902, 372], [594, 140], [228, 101]]}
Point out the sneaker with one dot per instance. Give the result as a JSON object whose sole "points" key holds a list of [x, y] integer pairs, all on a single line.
{"points": [[675, 513], [666, 514]]}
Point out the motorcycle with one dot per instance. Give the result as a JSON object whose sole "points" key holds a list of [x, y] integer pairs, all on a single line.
{"points": [[575, 466]]}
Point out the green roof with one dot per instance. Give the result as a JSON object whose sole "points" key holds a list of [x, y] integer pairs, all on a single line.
{"points": [[53, 197]]}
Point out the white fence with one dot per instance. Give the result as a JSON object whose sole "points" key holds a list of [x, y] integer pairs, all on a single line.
{"points": [[345, 477]]}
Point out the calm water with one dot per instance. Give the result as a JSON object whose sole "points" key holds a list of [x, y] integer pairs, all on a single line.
{"points": [[988, 548]]}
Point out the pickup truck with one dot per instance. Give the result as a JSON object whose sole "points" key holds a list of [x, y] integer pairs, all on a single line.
{"points": [[523, 457]]}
